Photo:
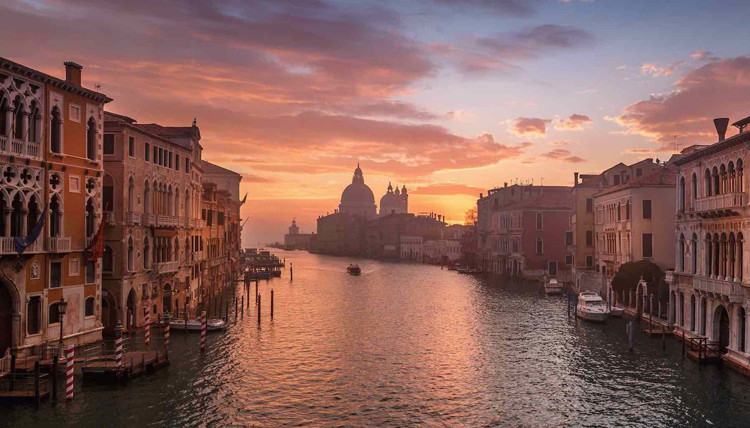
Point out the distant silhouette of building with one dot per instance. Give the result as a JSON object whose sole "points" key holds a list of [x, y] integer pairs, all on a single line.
{"points": [[394, 202], [295, 240]]}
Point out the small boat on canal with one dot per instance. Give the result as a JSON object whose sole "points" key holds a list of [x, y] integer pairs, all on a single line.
{"points": [[467, 270], [616, 312], [213, 324], [353, 269], [551, 286], [591, 307]]}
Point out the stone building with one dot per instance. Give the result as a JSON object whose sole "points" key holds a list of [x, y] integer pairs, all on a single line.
{"points": [[152, 191], [297, 241], [394, 202], [709, 287], [357, 198], [50, 164]]}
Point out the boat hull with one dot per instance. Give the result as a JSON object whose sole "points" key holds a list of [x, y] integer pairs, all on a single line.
{"points": [[553, 290], [592, 316], [195, 325], [616, 312]]}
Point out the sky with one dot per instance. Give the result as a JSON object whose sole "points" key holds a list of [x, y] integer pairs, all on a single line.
{"points": [[447, 97]]}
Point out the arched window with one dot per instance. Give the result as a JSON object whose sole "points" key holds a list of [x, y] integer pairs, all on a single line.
{"points": [[682, 309], [35, 122], [131, 194], [18, 123], [89, 307], [32, 215], [55, 139], [740, 252], [91, 139], [108, 260], [17, 216], [743, 330], [740, 185], [130, 255], [694, 189], [730, 255], [692, 312], [707, 183], [177, 210], [146, 254], [715, 177], [34, 314], [722, 179], [53, 314], [709, 255], [146, 198], [694, 254], [90, 217], [3, 116], [731, 177], [681, 254], [176, 249], [681, 197], [55, 217]]}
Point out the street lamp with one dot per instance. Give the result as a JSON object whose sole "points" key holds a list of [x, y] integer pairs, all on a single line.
{"points": [[61, 308]]}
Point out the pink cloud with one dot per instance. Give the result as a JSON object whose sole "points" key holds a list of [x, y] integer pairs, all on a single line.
{"points": [[562, 155], [575, 122], [530, 125], [447, 189]]}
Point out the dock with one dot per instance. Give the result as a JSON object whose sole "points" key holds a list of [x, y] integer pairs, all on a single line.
{"points": [[99, 361]]}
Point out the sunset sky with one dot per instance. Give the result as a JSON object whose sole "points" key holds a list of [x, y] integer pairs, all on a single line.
{"points": [[447, 97]]}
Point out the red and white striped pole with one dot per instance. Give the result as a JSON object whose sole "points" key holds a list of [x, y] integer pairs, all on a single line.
{"points": [[166, 332], [118, 346], [147, 338], [203, 331], [69, 359]]}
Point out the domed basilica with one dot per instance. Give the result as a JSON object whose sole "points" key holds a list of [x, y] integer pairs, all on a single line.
{"points": [[358, 199]]}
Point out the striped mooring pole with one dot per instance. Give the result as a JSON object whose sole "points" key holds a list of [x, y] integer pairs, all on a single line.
{"points": [[203, 331], [69, 359], [118, 346], [147, 337], [166, 332]]}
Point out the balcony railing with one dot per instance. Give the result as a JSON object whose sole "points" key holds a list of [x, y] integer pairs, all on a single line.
{"points": [[167, 267], [58, 244], [133, 218], [14, 146], [718, 202], [148, 219], [8, 246], [166, 220], [728, 288]]}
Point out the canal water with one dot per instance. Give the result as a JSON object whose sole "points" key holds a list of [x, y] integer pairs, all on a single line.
{"points": [[407, 344]]}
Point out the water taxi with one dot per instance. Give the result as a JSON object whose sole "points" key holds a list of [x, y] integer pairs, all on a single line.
{"points": [[213, 324], [591, 307], [551, 286], [353, 269]]}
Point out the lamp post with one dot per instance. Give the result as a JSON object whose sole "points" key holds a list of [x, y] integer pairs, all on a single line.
{"points": [[62, 307]]}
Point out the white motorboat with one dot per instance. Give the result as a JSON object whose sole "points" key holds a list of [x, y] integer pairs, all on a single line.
{"points": [[551, 286], [213, 324], [591, 307], [616, 312]]}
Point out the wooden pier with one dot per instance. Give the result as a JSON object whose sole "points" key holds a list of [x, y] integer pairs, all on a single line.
{"points": [[100, 360]]}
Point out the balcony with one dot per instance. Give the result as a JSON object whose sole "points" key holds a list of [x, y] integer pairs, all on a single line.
{"points": [[148, 219], [720, 202], [166, 221], [8, 246], [16, 147], [58, 245], [728, 288], [167, 267], [133, 218]]}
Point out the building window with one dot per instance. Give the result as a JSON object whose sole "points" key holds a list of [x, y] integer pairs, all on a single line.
{"points": [[646, 209], [73, 267], [89, 307], [552, 267], [53, 315], [55, 274], [108, 259], [539, 221], [170, 159], [648, 249], [638, 172], [187, 165], [568, 259], [177, 162], [627, 210], [34, 315], [156, 155], [589, 238], [589, 261], [90, 272], [130, 255], [589, 205], [569, 237], [539, 245], [74, 113], [131, 147], [147, 152], [617, 179], [56, 131], [91, 140], [109, 144]]}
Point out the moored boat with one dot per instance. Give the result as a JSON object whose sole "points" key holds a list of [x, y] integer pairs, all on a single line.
{"points": [[213, 324], [616, 312], [353, 269], [591, 307], [551, 286]]}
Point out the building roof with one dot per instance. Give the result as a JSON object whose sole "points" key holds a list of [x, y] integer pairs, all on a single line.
{"points": [[108, 115], [171, 131], [724, 144], [666, 176], [548, 200], [212, 168], [52, 80]]}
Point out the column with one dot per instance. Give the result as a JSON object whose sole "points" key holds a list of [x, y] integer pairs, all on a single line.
{"points": [[737, 260], [25, 126], [8, 121], [24, 223], [6, 213]]}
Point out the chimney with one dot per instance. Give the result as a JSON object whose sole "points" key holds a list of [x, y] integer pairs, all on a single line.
{"points": [[73, 73], [575, 178], [721, 127]]}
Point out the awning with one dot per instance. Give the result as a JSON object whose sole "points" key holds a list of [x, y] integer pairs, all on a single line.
{"points": [[165, 233]]}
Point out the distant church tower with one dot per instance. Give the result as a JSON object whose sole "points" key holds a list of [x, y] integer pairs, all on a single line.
{"points": [[394, 202], [294, 229]]}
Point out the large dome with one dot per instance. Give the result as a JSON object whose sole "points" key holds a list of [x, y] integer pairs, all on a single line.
{"points": [[357, 192]]}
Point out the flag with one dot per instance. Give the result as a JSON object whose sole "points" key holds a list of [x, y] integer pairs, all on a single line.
{"points": [[22, 243], [95, 250], [242, 202]]}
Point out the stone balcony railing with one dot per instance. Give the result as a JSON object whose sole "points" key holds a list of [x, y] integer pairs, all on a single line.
{"points": [[718, 202], [166, 220], [16, 147], [58, 244], [168, 267], [729, 287], [133, 218], [148, 219], [8, 246]]}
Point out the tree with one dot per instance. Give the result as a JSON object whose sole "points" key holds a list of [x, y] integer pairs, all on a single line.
{"points": [[629, 274], [470, 218]]}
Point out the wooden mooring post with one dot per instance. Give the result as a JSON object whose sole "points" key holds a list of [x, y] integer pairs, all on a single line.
{"points": [[258, 309], [242, 307], [272, 303], [631, 335], [54, 378], [37, 395], [291, 271]]}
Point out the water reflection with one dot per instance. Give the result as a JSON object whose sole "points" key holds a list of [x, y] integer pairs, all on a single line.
{"points": [[409, 344]]}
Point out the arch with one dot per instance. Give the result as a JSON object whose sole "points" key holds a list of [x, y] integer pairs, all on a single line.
{"points": [[55, 136], [33, 212], [693, 189], [740, 186], [90, 217], [131, 195], [55, 216], [109, 310], [722, 179], [176, 248], [130, 310], [682, 309], [715, 180], [693, 307], [681, 253], [35, 123], [709, 255], [681, 195], [730, 177], [694, 254], [91, 138], [4, 128], [130, 255], [731, 256], [740, 255], [707, 183], [742, 333], [17, 216], [19, 111], [721, 327], [146, 198]]}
